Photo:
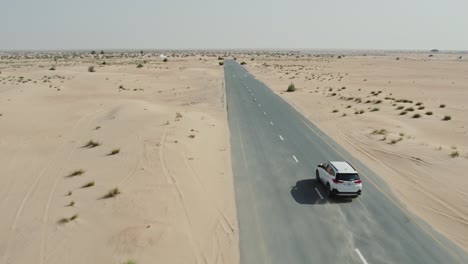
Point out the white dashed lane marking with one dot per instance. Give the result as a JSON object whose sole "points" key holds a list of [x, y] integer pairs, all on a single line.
{"points": [[361, 256], [264, 113], [271, 123], [318, 192], [281, 137], [295, 159]]}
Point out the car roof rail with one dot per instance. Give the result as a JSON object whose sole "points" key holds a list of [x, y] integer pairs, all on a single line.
{"points": [[352, 166], [331, 164]]}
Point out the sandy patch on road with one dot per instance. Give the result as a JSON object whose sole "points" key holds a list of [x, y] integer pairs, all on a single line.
{"points": [[359, 100], [173, 171]]}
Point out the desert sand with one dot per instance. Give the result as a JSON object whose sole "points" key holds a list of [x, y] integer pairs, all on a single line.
{"points": [[166, 121], [158, 133], [388, 110]]}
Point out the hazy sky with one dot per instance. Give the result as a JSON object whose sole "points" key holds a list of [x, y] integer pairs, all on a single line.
{"points": [[203, 24]]}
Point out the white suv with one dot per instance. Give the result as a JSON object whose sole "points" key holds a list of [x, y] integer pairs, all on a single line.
{"points": [[339, 178]]}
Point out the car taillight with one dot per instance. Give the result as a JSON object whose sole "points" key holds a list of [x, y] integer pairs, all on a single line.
{"points": [[358, 181], [337, 181]]}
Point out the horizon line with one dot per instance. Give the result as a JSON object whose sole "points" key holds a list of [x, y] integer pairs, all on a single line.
{"points": [[226, 49]]}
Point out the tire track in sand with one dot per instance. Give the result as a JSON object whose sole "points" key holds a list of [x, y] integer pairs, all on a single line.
{"points": [[137, 164], [162, 159]]}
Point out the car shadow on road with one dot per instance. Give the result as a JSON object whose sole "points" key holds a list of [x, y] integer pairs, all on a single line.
{"points": [[305, 192]]}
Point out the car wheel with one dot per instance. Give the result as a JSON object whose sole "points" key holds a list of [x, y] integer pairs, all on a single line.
{"points": [[317, 177], [328, 190]]}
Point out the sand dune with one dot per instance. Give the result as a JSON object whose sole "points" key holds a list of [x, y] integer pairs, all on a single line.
{"points": [[359, 100], [173, 172]]}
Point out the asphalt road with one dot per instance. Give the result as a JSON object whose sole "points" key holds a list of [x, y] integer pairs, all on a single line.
{"points": [[283, 213]]}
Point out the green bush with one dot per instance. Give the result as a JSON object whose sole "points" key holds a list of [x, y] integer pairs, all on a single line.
{"points": [[291, 88], [221, 63], [91, 69], [140, 65]]}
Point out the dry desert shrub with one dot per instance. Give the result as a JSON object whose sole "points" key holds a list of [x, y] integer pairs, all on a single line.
{"points": [[112, 193], [114, 152], [379, 132], [91, 144], [89, 184], [66, 220], [76, 173]]}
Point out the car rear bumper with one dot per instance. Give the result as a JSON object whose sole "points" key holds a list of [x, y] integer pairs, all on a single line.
{"points": [[347, 194]]}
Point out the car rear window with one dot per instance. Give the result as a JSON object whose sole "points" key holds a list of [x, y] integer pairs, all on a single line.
{"points": [[347, 176]]}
